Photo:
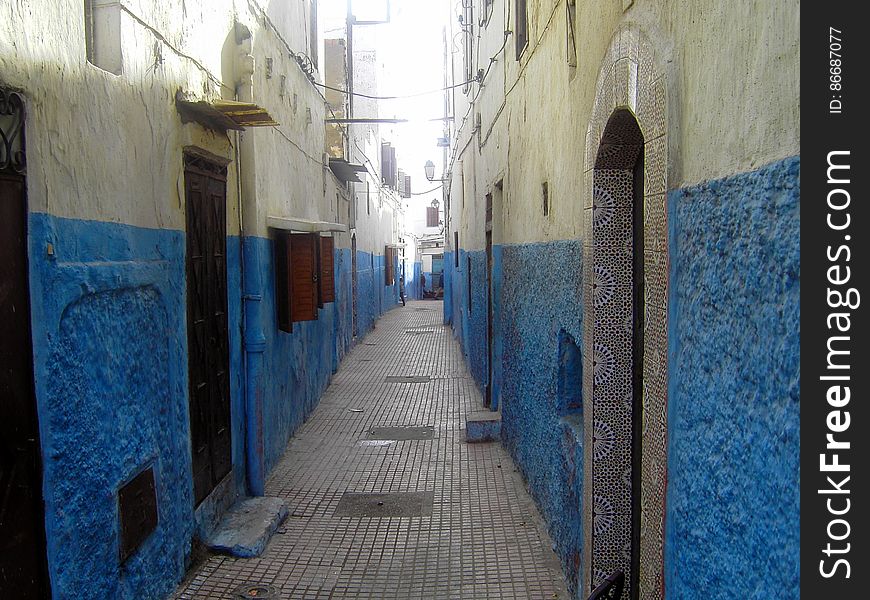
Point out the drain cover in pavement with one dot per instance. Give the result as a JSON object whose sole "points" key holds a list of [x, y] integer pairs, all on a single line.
{"points": [[255, 590], [407, 378], [399, 504], [426, 432]]}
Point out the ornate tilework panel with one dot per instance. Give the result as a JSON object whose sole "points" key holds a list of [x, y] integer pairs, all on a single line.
{"points": [[629, 117]]}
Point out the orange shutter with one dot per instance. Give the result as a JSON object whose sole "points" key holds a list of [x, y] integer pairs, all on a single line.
{"points": [[327, 275], [303, 252]]}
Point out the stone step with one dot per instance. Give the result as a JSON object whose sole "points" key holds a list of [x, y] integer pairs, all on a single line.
{"points": [[483, 426], [247, 527]]}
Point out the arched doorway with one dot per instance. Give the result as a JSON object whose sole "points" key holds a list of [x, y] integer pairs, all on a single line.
{"points": [[617, 354], [625, 319]]}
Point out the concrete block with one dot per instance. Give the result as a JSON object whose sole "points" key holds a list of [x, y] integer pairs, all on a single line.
{"points": [[483, 426], [246, 528]]}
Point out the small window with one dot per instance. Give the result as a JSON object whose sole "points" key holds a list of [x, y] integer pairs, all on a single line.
{"points": [[487, 12], [431, 216], [571, 38], [466, 24], [521, 26], [103, 35]]}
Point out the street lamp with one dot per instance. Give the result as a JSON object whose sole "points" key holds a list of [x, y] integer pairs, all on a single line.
{"points": [[429, 168]]}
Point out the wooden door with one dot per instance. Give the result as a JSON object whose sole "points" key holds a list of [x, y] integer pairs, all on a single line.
{"points": [[488, 399], [353, 284], [207, 329], [22, 521]]}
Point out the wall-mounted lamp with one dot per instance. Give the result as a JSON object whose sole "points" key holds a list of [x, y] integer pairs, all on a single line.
{"points": [[429, 169]]}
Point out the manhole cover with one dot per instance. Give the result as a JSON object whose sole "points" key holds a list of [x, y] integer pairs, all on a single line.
{"points": [[255, 590], [399, 504], [402, 433], [407, 378]]}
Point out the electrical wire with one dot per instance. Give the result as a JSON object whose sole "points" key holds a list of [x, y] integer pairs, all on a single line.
{"points": [[415, 95], [434, 189]]}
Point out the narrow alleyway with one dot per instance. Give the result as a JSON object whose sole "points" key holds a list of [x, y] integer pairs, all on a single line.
{"points": [[479, 536]]}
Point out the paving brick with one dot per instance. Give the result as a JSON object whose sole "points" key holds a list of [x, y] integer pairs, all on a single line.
{"points": [[483, 537]]}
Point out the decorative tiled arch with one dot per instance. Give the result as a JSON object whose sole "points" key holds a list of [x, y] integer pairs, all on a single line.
{"points": [[629, 79]]}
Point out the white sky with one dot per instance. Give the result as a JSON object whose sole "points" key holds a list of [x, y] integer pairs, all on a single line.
{"points": [[411, 49]]}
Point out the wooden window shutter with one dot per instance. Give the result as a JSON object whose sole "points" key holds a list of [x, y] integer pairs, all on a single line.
{"points": [[303, 252], [327, 266], [431, 216], [283, 279], [388, 265], [318, 269]]}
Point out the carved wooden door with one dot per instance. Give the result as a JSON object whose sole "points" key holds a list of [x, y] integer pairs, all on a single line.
{"points": [[207, 329]]}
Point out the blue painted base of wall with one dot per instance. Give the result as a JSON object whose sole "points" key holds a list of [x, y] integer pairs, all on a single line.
{"points": [[732, 505], [110, 364], [413, 290], [734, 409], [374, 298], [546, 447], [298, 365], [110, 354]]}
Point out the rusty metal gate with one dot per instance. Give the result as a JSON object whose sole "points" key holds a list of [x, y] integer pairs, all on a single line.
{"points": [[207, 328]]}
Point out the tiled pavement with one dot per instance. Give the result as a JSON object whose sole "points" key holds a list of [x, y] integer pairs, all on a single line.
{"points": [[480, 537]]}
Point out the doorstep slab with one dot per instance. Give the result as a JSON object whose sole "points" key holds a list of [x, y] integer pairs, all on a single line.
{"points": [[483, 426], [247, 527]]}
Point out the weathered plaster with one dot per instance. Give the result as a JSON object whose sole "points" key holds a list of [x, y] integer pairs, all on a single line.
{"points": [[734, 417], [111, 389], [731, 81]]}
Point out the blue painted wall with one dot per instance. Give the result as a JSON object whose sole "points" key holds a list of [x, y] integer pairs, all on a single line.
{"points": [[733, 512], [537, 295], [451, 274], [413, 290], [298, 365], [541, 297], [373, 297], [110, 358], [734, 407]]}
